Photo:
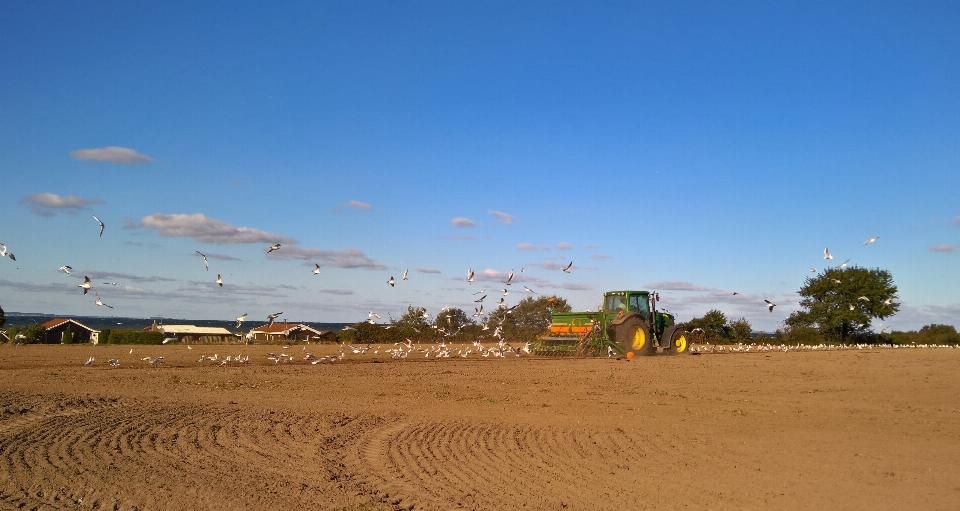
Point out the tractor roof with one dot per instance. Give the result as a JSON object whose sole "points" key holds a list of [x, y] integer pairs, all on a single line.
{"points": [[635, 292]]}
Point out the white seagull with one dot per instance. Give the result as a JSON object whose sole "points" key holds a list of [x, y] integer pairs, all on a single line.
{"points": [[770, 305], [100, 302], [863, 299], [65, 269], [529, 290], [316, 271], [205, 263], [509, 277], [371, 315], [871, 240], [470, 275], [405, 274], [101, 224], [480, 299], [3, 250], [391, 282], [826, 254], [241, 318], [85, 285], [567, 269], [275, 247], [272, 317], [219, 280]]}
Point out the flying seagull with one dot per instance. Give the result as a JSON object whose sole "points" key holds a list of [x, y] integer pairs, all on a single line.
{"points": [[316, 271], [101, 224], [871, 240], [219, 280], [826, 254], [529, 290], [65, 269], [813, 270], [505, 292], [271, 317], [241, 318], [888, 300], [391, 282], [10, 255], [275, 247], [863, 299], [3, 250], [205, 263], [470, 275], [85, 285], [735, 293], [843, 264], [480, 299], [405, 274], [509, 277], [770, 305], [371, 315], [567, 269], [100, 302]]}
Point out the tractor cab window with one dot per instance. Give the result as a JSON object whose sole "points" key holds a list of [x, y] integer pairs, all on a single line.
{"points": [[615, 303], [638, 303]]}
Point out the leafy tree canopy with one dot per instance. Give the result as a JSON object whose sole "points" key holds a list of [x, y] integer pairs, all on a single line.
{"points": [[841, 302], [528, 319]]}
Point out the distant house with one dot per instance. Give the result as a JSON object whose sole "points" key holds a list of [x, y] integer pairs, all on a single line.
{"points": [[197, 334], [54, 329], [290, 332]]}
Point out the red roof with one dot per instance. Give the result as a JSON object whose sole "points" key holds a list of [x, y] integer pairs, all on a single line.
{"points": [[55, 322], [279, 328]]}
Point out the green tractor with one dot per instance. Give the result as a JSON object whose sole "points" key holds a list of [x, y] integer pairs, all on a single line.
{"points": [[627, 322]]}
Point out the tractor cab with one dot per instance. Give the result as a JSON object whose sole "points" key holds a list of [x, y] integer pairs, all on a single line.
{"points": [[623, 302]]}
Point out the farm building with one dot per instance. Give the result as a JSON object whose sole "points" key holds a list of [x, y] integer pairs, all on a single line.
{"points": [[290, 332], [55, 328], [197, 334]]}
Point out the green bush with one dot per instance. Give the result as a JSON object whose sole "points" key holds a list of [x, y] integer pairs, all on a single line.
{"points": [[104, 336], [32, 334], [134, 337]]}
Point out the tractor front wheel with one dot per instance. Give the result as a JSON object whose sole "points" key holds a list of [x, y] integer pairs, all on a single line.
{"points": [[634, 335], [678, 341]]}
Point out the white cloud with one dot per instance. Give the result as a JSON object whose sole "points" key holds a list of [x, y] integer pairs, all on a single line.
{"points": [[115, 275], [589, 245], [549, 264], [207, 230], [458, 238], [336, 291], [221, 257], [531, 246], [462, 222], [601, 256], [349, 258], [503, 218], [943, 248], [956, 221], [427, 270], [576, 287], [359, 205], [113, 154], [563, 245], [675, 285], [45, 203]]}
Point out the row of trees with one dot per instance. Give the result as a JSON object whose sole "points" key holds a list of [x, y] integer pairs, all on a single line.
{"points": [[522, 323]]}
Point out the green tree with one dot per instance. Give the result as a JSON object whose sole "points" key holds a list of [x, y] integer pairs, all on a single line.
{"points": [[29, 334], [937, 334], [3, 320], [528, 319], [740, 330], [452, 320], [713, 324], [841, 302], [67, 336]]}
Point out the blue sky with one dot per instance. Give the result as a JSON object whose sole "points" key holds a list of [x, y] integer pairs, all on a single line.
{"points": [[694, 148]]}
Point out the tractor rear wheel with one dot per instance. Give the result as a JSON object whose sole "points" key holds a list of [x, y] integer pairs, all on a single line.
{"points": [[678, 341], [634, 335]]}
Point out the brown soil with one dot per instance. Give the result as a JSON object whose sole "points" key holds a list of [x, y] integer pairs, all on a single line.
{"points": [[864, 429]]}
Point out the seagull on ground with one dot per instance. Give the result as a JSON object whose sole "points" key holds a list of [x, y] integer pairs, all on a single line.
{"points": [[567, 269], [405, 274], [272, 317], [274, 247], [89, 362], [205, 263], [241, 318], [100, 302], [65, 269], [871, 240], [826, 254], [219, 280], [316, 271], [101, 224], [770, 305], [85, 285]]}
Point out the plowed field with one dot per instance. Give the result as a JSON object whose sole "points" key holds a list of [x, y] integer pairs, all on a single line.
{"points": [[871, 429]]}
